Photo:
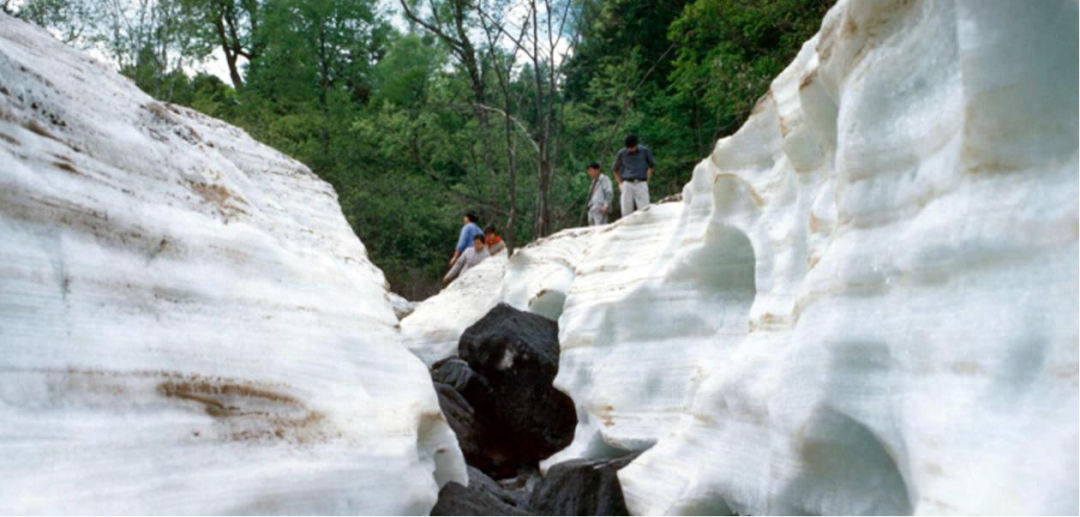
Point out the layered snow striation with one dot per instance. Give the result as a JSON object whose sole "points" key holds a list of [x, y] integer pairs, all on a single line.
{"points": [[187, 323], [866, 301]]}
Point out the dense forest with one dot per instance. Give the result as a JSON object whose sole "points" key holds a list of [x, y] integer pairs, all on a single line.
{"points": [[420, 110]]}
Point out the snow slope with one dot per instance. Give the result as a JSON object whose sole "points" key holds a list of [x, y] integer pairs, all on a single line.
{"points": [[866, 301], [187, 323]]}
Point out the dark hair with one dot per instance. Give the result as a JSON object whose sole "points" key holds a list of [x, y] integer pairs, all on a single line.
{"points": [[478, 237], [594, 165], [490, 228], [472, 217], [631, 141]]}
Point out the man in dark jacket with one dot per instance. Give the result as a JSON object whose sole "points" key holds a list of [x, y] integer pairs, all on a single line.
{"points": [[633, 169]]}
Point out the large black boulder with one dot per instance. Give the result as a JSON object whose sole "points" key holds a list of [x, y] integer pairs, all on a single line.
{"points": [[581, 487], [507, 339], [524, 417]]}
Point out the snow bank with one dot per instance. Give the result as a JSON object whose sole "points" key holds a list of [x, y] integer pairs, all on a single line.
{"points": [[866, 301], [187, 323]]}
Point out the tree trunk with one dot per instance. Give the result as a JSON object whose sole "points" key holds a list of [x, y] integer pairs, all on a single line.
{"points": [[230, 55], [541, 134], [512, 173]]}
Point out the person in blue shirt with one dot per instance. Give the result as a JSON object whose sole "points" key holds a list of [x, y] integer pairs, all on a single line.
{"points": [[469, 231]]}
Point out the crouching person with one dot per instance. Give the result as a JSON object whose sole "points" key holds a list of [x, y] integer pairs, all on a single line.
{"points": [[494, 243], [469, 259]]}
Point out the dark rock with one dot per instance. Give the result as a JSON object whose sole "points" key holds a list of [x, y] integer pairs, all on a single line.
{"points": [[581, 487], [455, 499], [528, 423], [526, 419], [480, 481], [457, 373], [509, 339], [462, 419], [521, 486]]}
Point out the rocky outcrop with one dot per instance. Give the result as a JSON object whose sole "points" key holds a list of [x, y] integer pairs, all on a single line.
{"points": [[581, 487], [521, 487], [456, 372], [866, 301], [501, 405], [481, 481], [518, 354], [455, 499], [482, 496], [187, 323], [462, 418], [507, 339], [498, 396]]}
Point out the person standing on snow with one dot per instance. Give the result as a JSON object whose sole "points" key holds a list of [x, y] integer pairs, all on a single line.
{"points": [[633, 169], [600, 195]]}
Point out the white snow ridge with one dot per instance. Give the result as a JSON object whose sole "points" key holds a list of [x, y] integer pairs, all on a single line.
{"points": [[866, 300], [187, 323], [864, 303]]}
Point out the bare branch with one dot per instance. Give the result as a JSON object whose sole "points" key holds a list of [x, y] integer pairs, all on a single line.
{"points": [[518, 41], [520, 126], [436, 30]]}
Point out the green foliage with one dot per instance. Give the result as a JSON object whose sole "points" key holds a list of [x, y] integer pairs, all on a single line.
{"points": [[678, 74], [403, 76], [67, 18], [729, 50], [390, 119]]}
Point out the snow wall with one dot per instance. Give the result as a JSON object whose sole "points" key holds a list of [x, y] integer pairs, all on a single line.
{"points": [[187, 323], [866, 300]]}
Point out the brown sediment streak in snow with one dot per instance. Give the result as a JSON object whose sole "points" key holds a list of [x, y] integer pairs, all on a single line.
{"points": [[242, 409]]}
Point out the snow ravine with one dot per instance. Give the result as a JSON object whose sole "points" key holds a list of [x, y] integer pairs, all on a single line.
{"points": [[187, 323]]}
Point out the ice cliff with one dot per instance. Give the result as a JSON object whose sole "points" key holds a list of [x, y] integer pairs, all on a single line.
{"points": [[187, 323], [866, 300]]}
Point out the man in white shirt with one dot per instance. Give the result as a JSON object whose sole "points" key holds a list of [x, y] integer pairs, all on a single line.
{"points": [[469, 259], [600, 195]]}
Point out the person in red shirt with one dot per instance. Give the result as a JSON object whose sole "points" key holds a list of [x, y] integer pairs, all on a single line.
{"points": [[492, 240]]}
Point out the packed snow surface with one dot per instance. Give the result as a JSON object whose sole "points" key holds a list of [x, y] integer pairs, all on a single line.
{"points": [[866, 301], [187, 323]]}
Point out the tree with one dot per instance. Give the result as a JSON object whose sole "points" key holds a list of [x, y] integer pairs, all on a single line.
{"points": [[729, 51], [450, 20], [234, 26], [403, 76], [503, 65], [544, 48], [70, 21], [490, 105]]}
